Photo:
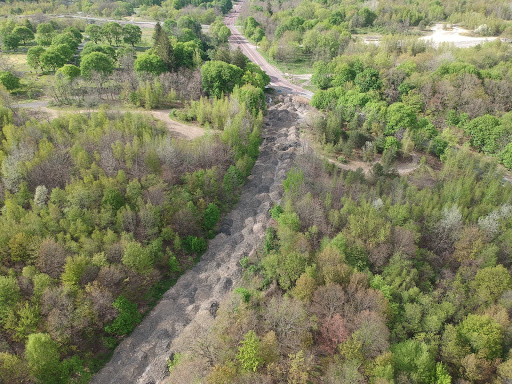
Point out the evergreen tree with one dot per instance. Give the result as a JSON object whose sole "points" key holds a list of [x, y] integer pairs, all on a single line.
{"points": [[163, 47]]}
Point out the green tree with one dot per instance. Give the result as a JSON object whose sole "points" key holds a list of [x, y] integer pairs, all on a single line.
{"points": [[442, 375], [150, 63], [45, 33], [69, 72], [253, 97], [131, 34], [138, 257], [128, 317], [366, 17], [184, 54], [9, 295], [55, 57], [23, 33], [413, 358], [91, 47], [68, 39], [162, 47], [490, 283], [74, 269], [9, 81], [220, 32], [399, 116], [505, 156], [219, 77], [483, 334], [486, 132], [112, 32], [94, 32], [368, 80], [249, 352], [96, 62], [11, 42], [34, 57], [43, 358], [211, 216]]}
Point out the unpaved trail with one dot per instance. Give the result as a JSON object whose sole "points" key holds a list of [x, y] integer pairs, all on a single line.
{"points": [[185, 308], [403, 168], [186, 130], [277, 78], [176, 128]]}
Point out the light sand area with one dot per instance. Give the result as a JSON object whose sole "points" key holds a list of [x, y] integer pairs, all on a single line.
{"points": [[438, 35], [455, 35], [177, 128]]}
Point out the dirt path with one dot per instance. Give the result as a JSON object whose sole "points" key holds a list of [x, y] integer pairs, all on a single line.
{"points": [[402, 168], [185, 130], [176, 128], [185, 308], [277, 78]]}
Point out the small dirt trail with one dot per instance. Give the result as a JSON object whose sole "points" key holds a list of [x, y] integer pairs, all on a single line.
{"points": [[185, 308], [403, 168], [176, 128], [277, 78]]}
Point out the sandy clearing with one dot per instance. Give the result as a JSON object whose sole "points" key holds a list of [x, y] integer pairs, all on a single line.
{"points": [[456, 36]]}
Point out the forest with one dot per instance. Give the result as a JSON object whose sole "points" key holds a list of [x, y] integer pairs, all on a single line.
{"points": [[372, 280], [101, 212], [402, 95], [99, 216], [364, 276]]}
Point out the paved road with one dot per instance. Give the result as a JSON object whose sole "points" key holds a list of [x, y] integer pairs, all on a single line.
{"points": [[277, 78]]}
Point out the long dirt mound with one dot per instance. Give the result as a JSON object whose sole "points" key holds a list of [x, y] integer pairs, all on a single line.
{"points": [[141, 357]]}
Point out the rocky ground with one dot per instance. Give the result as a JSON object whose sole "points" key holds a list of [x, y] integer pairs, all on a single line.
{"points": [[189, 306]]}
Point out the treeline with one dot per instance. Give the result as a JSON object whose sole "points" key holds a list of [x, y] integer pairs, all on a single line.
{"points": [[157, 9], [378, 280], [172, 71], [308, 31], [409, 97], [99, 214]]}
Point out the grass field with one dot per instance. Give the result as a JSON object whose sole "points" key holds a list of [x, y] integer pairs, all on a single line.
{"points": [[302, 67]]}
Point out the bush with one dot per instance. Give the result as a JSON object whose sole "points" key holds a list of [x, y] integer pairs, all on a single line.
{"points": [[211, 216], [194, 244], [249, 352], [9, 81], [128, 317], [276, 211]]}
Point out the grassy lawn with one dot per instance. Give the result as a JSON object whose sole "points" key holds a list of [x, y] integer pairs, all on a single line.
{"points": [[147, 38], [33, 84], [298, 68]]}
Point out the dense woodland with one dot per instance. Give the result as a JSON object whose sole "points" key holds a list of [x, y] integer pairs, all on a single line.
{"points": [[102, 212], [372, 280], [99, 214], [362, 278]]}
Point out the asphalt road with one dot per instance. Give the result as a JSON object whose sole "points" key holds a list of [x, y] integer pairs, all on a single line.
{"points": [[277, 78]]}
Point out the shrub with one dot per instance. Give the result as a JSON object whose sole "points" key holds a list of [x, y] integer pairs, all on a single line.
{"points": [[249, 352], [194, 244], [128, 317], [9, 81]]}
